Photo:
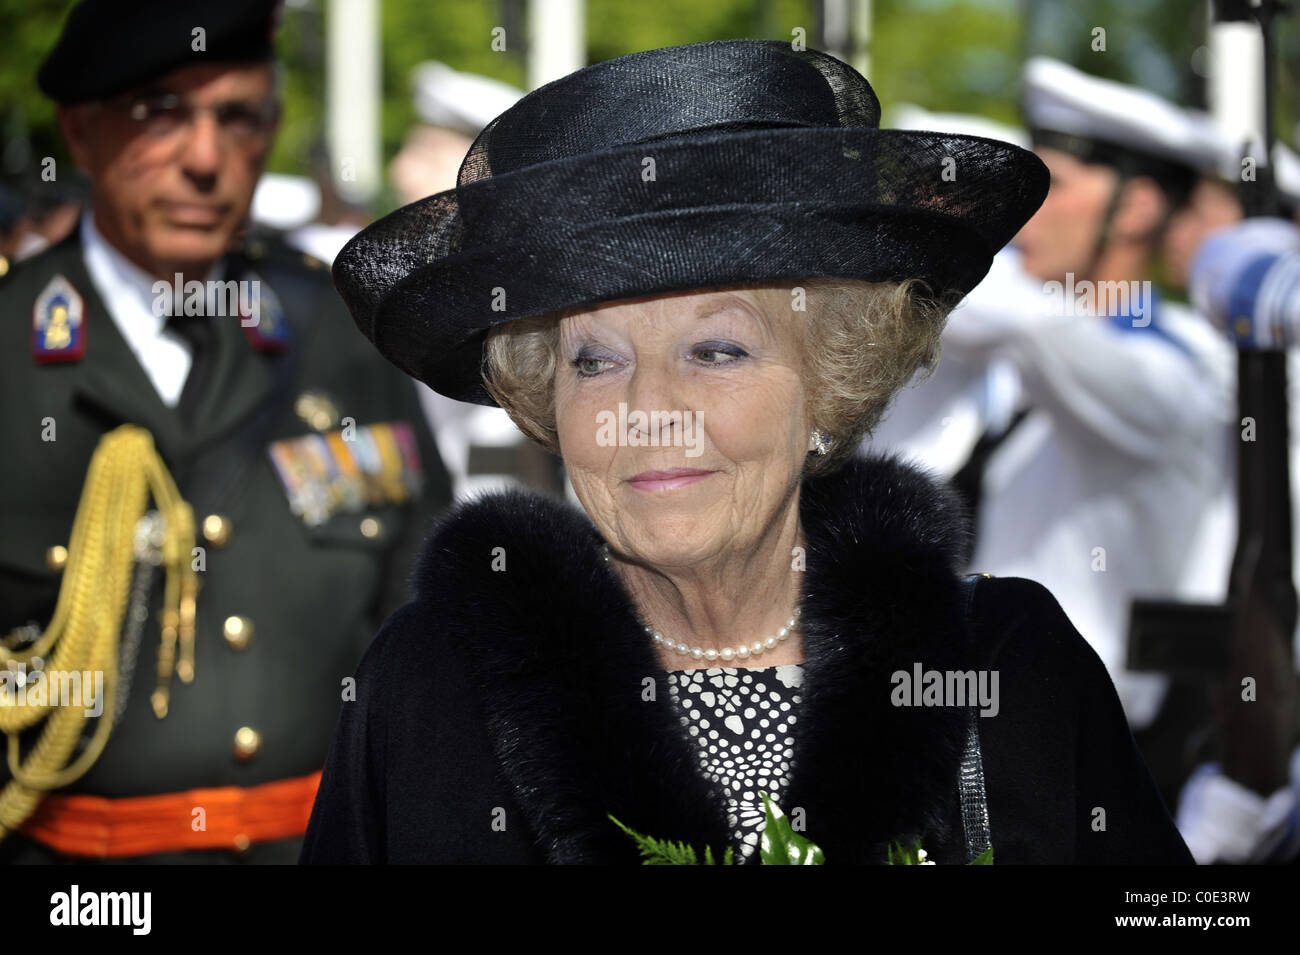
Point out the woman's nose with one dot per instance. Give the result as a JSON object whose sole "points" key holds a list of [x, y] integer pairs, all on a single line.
{"points": [[655, 389]]}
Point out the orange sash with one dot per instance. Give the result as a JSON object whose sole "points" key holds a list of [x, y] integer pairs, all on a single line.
{"points": [[233, 817]]}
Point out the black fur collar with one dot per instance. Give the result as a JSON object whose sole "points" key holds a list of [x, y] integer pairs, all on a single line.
{"points": [[579, 711]]}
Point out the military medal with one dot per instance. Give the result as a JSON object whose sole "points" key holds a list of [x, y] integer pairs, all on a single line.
{"points": [[338, 472], [58, 323], [350, 483]]}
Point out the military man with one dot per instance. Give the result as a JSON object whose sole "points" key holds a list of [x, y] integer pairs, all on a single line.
{"points": [[249, 479]]}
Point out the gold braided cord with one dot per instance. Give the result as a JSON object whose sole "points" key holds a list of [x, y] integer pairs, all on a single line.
{"points": [[84, 633]]}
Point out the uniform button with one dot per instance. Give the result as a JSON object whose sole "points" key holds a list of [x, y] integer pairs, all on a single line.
{"points": [[370, 527], [56, 557], [317, 410], [242, 844], [216, 530], [238, 631], [4, 266], [248, 743]]}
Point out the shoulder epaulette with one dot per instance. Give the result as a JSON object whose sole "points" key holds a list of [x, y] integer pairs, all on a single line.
{"points": [[271, 251]]}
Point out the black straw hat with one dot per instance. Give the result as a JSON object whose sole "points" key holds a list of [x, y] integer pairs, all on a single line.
{"points": [[687, 167]]}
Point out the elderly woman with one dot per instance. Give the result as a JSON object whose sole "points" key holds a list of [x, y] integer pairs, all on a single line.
{"points": [[698, 275]]}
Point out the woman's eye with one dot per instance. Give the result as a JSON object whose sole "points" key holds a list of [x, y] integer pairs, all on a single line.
{"points": [[719, 353], [589, 366]]}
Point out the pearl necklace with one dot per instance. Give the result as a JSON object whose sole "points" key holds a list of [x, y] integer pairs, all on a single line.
{"points": [[726, 654]]}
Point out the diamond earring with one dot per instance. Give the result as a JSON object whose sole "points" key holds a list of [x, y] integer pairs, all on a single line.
{"points": [[821, 442]]}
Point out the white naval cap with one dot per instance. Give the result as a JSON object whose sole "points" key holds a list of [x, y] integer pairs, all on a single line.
{"points": [[1286, 164], [465, 102], [911, 116], [1062, 104], [285, 202]]}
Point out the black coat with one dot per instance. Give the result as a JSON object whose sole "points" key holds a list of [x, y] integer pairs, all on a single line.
{"points": [[501, 714]]}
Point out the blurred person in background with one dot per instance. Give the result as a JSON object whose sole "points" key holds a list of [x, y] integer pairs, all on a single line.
{"points": [[336, 219], [1244, 276], [1212, 205], [307, 212], [1099, 432], [32, 223], [938, 423], [249, 480], [481, 447], [453, 107]]}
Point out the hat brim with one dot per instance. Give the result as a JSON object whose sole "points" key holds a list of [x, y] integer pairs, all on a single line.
{"points": [[725, 208]]}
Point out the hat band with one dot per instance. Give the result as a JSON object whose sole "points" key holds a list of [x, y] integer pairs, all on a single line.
{"points": [[792, 170]]}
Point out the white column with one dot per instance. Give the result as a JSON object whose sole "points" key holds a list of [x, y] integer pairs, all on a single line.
{"points": [[353, 97], [557, 39], [1235, 87], [861, 33]]}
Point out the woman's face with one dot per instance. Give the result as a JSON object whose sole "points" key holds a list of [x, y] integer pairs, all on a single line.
{"points": [[682, 420]]}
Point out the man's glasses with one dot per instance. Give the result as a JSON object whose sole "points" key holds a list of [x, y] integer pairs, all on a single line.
{"points": [[162, 116]]}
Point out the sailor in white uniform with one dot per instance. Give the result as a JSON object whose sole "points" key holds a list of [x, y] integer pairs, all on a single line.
{"points": [[1096, 492], [1114, 398], [1131, 459], [937, 422], [1111, 483], [481, 446]]}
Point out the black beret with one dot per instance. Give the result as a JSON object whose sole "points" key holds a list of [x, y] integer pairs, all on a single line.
{"points": [[109, 46]]}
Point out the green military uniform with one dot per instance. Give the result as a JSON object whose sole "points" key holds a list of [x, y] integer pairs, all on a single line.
{"points": [[285, 607]]}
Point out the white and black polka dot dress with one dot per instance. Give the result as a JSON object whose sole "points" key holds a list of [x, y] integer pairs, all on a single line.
{"points": [[743, 721]]}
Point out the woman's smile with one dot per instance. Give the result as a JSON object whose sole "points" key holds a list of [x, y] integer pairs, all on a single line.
{"points": [[668, 480]]}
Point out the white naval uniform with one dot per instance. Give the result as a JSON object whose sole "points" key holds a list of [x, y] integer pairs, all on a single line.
{"points": [[935, 423], [1097, 493]]}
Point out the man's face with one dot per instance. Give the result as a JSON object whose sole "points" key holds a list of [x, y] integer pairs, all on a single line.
{"points": [[171, 184], [1062, 235], [1212, 206]]}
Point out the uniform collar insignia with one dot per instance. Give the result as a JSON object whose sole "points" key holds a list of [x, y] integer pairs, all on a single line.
{"points": [[58, 323], [264, 323]]}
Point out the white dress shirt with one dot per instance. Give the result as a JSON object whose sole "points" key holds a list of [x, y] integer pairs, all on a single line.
{"points": [[128, 293]]}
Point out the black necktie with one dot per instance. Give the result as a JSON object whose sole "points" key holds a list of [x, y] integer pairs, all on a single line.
{"points": [[200, 332], [969, 479]]}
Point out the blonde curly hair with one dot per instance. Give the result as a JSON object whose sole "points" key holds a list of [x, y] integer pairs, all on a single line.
{"points": [[865, 342]]}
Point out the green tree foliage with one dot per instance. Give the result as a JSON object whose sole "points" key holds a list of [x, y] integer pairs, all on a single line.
{"points": [[949, 55]]}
